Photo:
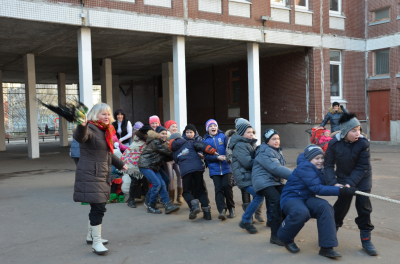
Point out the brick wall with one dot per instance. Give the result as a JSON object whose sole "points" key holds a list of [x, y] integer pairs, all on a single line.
{"points": [[386, 28]]}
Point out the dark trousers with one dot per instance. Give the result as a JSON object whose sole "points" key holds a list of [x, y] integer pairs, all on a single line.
{"points": [[273, 195], [299, 211], [139, 187], [195, 178], [223, 191], [364, 210], [76, 160], [96, 213]]}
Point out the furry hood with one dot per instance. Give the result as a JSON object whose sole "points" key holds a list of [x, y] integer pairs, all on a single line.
{"points": [[152, 135], [332, 111], [230, 132]]}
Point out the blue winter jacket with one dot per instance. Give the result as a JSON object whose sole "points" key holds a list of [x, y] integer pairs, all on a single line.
{"points": [[196, 137], [185, 155], [348, 163], [219, 142], [75, 151], [334, 117], [306, 181]]}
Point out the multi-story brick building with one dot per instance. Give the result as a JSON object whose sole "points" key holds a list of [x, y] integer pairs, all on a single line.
{"points": [[280, 63]]}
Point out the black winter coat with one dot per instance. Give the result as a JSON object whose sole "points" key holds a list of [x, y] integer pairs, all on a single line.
{"points": [[185, 154], [154, 153], [352, 162], [243, 152]]}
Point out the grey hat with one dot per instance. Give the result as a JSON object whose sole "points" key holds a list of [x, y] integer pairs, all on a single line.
{"points": [[241, 126], [311, 151], [175, 136], [347, 123]]}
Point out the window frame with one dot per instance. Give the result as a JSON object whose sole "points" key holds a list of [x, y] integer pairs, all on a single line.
{"points": [[339, 63], [230, 85], [284, 4], [339, 12], [374, 64], [380, 9], [303, 7]]}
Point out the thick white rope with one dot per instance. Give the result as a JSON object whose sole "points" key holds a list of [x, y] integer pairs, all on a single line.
{"points": [[378, 197]]}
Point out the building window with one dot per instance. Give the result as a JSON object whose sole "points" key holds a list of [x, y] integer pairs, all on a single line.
{"points": [[235, 86], [380, 15], [301, 4], [381, 62], [336, 74], [280, 2], [335, 6]]}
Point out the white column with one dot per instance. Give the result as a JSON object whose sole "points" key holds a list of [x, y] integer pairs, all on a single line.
{"points": [[31, 106], [106, 82], [179, 81], [253, 64], [2, 127], [168, 91], [62, 99], [85, 67], [115, 96]]}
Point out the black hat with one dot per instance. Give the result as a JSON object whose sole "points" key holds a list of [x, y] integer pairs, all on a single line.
{"points": [[190, 127], [335, 103], [268, 134], [159, 129], [144, 129]]}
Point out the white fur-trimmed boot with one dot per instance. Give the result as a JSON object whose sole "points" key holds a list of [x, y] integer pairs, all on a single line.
{"points": [[97, 246], [89, 238]]}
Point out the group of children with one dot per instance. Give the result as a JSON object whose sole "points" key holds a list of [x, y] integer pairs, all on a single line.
{"points": [[235, 159]]}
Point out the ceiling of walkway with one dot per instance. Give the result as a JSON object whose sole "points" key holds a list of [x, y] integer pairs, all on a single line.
{"points": [[135, 55]]}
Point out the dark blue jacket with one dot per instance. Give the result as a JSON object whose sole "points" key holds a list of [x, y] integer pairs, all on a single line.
{"points": [[75, 150], [334, 117], [185, 155], [219, 142], [196, 137], [352, 162], [306, 181]]}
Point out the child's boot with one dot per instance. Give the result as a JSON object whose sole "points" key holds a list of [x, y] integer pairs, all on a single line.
{"points": [[206, 212], [329, 253], [170, 207], [249, 227], [89, 238], [232, 213], [366, 243], [97, 246], [194, 209], [152, 208], [258, 214], [171, 195], [179, 197]]}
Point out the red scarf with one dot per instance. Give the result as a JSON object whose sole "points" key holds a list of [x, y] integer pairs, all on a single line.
{"points": [[110, 131]]}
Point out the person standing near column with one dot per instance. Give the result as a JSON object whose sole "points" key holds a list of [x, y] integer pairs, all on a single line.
{"points": [[333, 115], [123, 127], [92, 179], [349, 153]]}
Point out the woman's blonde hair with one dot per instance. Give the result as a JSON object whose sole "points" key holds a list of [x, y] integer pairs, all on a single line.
{"points": [[97, 109]]}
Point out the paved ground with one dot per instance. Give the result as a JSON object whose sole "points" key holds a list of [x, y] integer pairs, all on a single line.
{"points": [[41, 224]]}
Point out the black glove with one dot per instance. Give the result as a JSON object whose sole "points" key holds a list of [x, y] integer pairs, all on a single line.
{"points": [[341, 106], [347, 191]]}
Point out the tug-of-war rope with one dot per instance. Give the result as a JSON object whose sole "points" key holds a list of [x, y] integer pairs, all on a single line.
{"points": [[378, 197]]}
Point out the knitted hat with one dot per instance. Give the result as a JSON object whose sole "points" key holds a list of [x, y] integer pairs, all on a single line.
{"points": [[241, 126], [335, 103], [327, 130], [190, 127], [170, 123], [210, 122], [311, 151], [348, 122], [175, 136], [153, 119], [268, 134], [144, 129], [138, 125], [159, 129]]}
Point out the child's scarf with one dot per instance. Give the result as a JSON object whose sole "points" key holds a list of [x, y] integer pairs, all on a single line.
{"points": [[110, 131]]}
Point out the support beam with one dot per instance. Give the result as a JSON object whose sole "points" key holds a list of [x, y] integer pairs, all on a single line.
{"points": [[2, 127], [31, 106], [62, 99], [253, 64], [179, 81], [106, 82], [115, 96], [85, 67], [168, 91]]}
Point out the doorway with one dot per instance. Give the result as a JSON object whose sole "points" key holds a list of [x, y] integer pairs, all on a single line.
{"points": [[379, 114]]}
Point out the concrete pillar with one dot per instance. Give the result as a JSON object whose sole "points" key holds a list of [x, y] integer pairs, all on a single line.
{"points": [[179, 81], [62, 99], [2, 127], [31, 106], [168, 91], [115, 89], [106, 82], [253, 64], [85, 67]]}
